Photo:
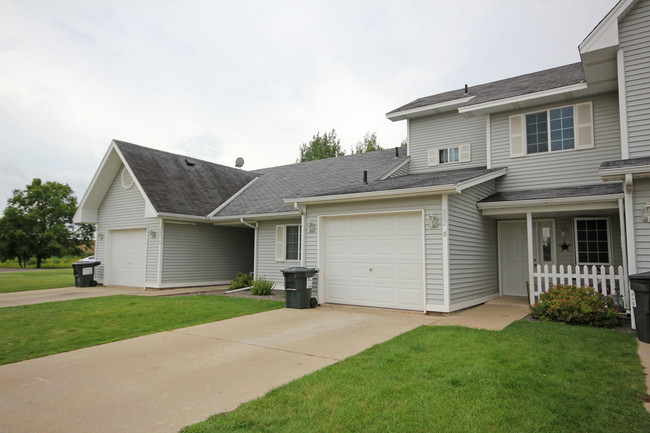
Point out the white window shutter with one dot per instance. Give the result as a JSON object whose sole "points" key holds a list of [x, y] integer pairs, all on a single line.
{"points": [[465, 153], [280, 242], [584, 125], [433, 157], [517, 136]]}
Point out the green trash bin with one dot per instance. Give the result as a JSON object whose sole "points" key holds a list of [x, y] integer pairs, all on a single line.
{"points": [[298, 295], [640, 284], [84, 274]]}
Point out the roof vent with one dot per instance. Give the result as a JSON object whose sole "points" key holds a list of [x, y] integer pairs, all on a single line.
{"points": [[397, 152], [189, 163], [365, 177], [127, 179], [466, 89]]}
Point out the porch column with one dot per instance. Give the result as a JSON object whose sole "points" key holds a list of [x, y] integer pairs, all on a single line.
{"points": [[531, 280]]}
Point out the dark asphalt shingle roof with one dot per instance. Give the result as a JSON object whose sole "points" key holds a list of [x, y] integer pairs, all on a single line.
{"points": [[551, 193], [626, 163], [173, 186], [510, 87], [266, 194], [439, 178]]}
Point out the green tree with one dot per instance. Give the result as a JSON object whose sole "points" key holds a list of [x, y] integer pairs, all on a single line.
{"points": [[369, 144], [404, 143], [38, 223], [321, 147]]}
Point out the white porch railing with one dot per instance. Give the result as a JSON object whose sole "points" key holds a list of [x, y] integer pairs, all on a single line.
{"points": [[604, 279]]}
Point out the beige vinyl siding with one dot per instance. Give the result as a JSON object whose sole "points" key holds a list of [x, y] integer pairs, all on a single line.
{"points": [[204, 253], [634, 33], [124, 209], [267, 266], [562, 168], [641, 226], [473, 254], [433, 237], [444, 131]]}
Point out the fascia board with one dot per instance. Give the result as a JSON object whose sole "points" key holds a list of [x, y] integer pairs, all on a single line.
{"points": [[82, 215], [620, 172], [428, 109], [605, 34], [489, 106], [480, 179], [496, 207], [260, 216], [392, 193], [181, 217], [234, 196]]}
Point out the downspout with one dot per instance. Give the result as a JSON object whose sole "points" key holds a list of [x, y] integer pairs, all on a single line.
{"points": [[303, 222], [254, 227], [622, 104], [629, 224]]}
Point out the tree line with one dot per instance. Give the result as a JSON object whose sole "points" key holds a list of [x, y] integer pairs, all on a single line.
{"points": [[37, 224], [328, 145]]}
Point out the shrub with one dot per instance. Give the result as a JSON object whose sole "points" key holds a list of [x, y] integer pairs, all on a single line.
{"points": [[262, 287], [575, 306], [241, 280]]}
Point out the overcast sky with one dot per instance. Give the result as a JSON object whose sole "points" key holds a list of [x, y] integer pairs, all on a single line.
{"points": [[220, 79]]}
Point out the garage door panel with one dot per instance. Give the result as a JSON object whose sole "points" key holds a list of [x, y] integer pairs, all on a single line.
{"points": [[127, 257], [391, 245]]}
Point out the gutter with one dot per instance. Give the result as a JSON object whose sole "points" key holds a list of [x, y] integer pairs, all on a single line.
{"points": [[548, 201], [392, 193]]}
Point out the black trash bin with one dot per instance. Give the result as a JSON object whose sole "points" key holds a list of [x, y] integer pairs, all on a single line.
{"points": [[641, 285], [295, 286], [84, 274]]}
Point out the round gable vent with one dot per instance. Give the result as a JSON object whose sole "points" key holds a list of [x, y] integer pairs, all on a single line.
{"points": [[127, 179]]}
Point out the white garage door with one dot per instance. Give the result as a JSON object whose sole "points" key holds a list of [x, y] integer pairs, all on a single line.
{"points": [[374, 260], [127, 257]]}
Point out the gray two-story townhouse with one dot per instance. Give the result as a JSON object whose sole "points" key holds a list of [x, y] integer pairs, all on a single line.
{"points": [[503, 189]]}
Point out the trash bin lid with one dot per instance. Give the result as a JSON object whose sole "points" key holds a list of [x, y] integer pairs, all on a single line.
{"points": [[643, 276], [299, 270], [85, 264]]}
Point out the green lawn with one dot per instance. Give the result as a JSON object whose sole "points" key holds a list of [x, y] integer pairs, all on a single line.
{"points": [[35, 280], [530, 377], [30, 331]]}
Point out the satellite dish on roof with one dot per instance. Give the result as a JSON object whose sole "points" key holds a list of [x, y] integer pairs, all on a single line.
{"points": [[239, 162]]}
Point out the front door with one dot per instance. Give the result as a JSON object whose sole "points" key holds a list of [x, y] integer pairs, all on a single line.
{"points": [[513, 253], [513, 260]]}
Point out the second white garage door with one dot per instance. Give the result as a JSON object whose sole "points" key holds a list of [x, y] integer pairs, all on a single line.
{"points": [[127, 257], [374, 260]]}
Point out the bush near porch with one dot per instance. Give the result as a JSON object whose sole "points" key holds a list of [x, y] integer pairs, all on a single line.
{"points": [[530, 377], [576, 306]]}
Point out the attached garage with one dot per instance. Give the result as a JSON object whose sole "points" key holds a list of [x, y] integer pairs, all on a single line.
{"points": [[127, 257], [374, 260]]}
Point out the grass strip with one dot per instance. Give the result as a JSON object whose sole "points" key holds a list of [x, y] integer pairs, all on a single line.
{"points": [[31, 331], [36, 280], [530, 377]]}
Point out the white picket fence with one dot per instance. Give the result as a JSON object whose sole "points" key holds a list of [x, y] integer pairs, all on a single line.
{"points": [[604, 279]]}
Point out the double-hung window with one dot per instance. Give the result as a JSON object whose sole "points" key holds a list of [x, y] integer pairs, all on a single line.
{"points": [[593, 246], [288, 242]]}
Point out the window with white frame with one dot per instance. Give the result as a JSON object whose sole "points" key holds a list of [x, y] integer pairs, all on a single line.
{"points": [[293, 243], [288, 242], [556, 124], [593, 246], [556, 129], [451, 154]]}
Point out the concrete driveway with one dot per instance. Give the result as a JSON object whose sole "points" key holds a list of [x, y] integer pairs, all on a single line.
{"points": [[164, 381]]}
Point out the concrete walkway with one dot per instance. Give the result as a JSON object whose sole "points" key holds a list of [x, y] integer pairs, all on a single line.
{"points": [[164, 381], [28, 297]]}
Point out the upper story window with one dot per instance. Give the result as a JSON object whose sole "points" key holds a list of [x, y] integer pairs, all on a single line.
{"points": [[451, 154], [293, 243], [556, 124], [446, 155], [562, 128]]}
